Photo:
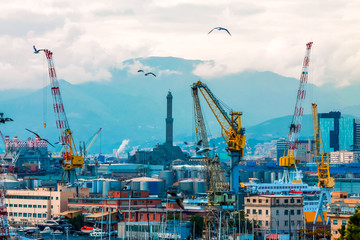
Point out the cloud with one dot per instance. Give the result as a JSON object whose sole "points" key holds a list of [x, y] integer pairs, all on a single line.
{"points": [[90, 38]]}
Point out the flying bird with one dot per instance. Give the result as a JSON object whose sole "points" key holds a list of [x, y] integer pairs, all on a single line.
{"points": [[220, 28], [4, 120], [140, 70], [40, 138], [179, 198], [35, 50], [150, 73]]}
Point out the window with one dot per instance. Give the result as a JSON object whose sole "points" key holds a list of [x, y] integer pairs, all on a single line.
{"points": [[25, 205], [298, 212], [133, 215], [278, 223], [39, 215], [286, 212], [277, 212], [20, 205], [286, 201], [335, 222], [141, 216], [248, 211], [35, 206], [11, 205], [286, 223], [34, 215], [260, 222], [260, 201], [30, 206], [10, 213], [343, 222], [57, 198], [154, 216], [254, 200], [292, 200], [260, 211], [298, 223], [39, 206], [15, 205], [292, 223], [98, 201], [20, 214], [25, 214], [298, 200], [6, 205], [267, 200], [277, 201], [267, 212], [292, 212], [248, 200], [254, 211], [267, 223], [44, 206], [124, 202], [44, 215], [15, 214], [52, 206]]}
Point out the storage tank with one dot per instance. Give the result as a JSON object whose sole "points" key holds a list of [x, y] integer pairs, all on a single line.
{"points": [[180, 174], [144, 186], [186, 186], [168, 177], [199, 187]]}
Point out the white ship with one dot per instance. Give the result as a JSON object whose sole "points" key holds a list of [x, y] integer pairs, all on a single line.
{"points": [[315, 198]]}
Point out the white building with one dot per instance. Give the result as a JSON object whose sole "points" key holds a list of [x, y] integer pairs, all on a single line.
{"points": [[343, 156]]}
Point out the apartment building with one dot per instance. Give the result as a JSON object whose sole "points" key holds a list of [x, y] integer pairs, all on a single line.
{"points": [[341, 208], [275, 213], [28, 207]]}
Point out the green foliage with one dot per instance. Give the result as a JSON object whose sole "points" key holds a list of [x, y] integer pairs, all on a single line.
{"points": [[352, 230], [170, 216], [199, 224], [318, 233], [77, 222]]}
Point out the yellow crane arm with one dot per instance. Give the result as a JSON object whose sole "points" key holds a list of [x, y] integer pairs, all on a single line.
{"points": [[232, 132], [93, 140]]}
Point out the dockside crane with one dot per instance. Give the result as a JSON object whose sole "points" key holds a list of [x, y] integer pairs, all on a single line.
{"points": [[70, 158], [231, 130], [325, 181], [288, 160], [217, 186]]}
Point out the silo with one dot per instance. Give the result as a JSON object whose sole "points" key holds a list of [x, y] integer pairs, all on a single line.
{"points": [[168, 178], [186, 186], [199, 187]]}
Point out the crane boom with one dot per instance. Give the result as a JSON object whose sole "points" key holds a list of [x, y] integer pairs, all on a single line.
{"points": [[70, 160], [232, 132], [322, 158], [288, 160], [93, 140]]}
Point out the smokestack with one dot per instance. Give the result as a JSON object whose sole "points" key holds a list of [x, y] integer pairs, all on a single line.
{"points": [[169, 120]]}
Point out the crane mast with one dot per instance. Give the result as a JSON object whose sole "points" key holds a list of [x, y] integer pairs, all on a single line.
{"points": [[322, 158], [231, 130], [288, 160], [70, 160]]}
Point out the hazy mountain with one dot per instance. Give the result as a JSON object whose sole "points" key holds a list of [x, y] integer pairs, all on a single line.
{"points": [[132, 106]]}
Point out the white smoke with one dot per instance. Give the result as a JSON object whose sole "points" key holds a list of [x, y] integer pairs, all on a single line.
{"points": [[122, 147]]}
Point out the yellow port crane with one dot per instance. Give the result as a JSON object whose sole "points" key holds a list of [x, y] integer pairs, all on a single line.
{"points": [[231, 130], [321, 158], [70, 158]]}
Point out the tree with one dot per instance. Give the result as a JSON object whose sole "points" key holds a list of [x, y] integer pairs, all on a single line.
{"points": [[352, 231], [198, 221]]}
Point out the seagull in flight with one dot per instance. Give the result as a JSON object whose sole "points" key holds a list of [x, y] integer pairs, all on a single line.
{"points": [[140, 70], [220, 28], [4, 120], [40, 138], [150, 73], [177, 197]]}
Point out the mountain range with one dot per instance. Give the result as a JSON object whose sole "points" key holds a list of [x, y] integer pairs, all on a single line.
{"points": [[133, 106]]}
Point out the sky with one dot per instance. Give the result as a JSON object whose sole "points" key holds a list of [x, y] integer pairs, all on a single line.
{"points": [[90, 38]]}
